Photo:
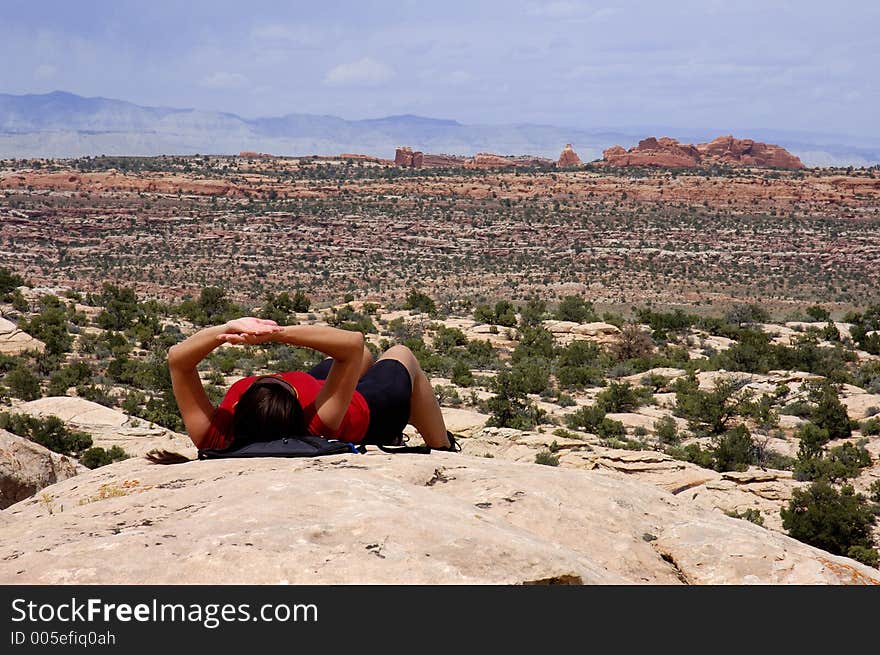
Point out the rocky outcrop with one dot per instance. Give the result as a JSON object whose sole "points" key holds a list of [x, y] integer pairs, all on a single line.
{"points": [[108, 427], [746, 152], [425, 519], [669, 153], [406, 157], [255, 155], [487, 160], [568, 157], [14, 342], [26, 467]]}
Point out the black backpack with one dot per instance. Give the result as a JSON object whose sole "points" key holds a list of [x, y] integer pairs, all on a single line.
{"points": [[312, 446], [304, 446]]}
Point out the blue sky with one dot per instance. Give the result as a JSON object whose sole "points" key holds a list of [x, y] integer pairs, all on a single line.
{"points": [[806, 65]]}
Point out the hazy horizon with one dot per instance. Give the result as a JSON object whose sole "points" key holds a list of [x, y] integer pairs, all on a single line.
{"points": [[775, 65]]}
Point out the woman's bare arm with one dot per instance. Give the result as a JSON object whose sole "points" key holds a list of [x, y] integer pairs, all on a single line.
{"points": [[347, 350], [183, 359]]}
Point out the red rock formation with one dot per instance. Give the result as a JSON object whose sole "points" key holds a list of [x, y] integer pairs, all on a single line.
{"points": [[403, 156], [568, 157], [440, 161], [407, 157], [527, 161], [255, 155], [669, 153], [745, 152], [488, 160]]}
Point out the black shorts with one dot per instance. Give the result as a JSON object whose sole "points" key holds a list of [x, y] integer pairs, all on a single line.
{"points": [[387, 388]]}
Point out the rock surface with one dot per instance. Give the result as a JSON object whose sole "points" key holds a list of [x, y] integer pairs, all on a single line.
{"points": [[26, 467], [13, 341], [669, 153], [109, 427], [377, 518]]}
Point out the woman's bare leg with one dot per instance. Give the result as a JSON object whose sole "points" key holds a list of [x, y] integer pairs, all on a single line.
{"points": [[425, 414]]}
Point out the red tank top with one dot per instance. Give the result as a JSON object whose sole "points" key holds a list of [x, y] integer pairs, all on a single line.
{"points": [[352, 429]]}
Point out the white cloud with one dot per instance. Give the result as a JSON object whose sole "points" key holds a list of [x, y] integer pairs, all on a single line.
{"points": [[364, 72], [224, 80], [45, 71]]}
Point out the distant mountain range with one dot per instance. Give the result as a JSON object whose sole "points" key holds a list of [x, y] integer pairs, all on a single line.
{"points": [[61, 124]]}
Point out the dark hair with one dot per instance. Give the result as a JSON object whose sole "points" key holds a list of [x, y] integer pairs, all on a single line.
{"points": [[268, 410]]}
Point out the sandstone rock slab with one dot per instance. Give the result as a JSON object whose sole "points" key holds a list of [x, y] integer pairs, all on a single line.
{"points": [[377, 518]]}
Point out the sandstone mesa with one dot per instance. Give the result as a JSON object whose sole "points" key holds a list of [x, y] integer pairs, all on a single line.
{"points": [[669, 153]]}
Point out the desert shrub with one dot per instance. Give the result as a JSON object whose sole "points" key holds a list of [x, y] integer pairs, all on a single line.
{"points": [[462, 375], [836, 521], [532, 374], [132, 402], [23, 383], [213, 307], [480, 354], [49, 432], [69, 376], [632, 343], [874, 490], [760, 410], [818, 313], [163, 411], [564, 400], [693, 453], [10, 362], [863, 323], [509, 407], [752, 353], [848, 459], [707, 412], [421, 302], [799, 408], [446, 339], [575, 308], [95, 393], [871, 427], [734, 450], [610, 429], [751, 515], [534, 342], [829, 413], [279, 307], [746, 313], [546, 458], [532, 313], [347, 318], [667, 431], [96, 456], [621, 397], [868, 376], [655, 382], [663, 323], [9, 281], [120, 307], [812, 441], [586, 418], [577, 365], [50, 326]]}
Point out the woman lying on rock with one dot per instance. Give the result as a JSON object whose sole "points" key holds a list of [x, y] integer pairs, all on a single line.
{"points": [[346, 397]]}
